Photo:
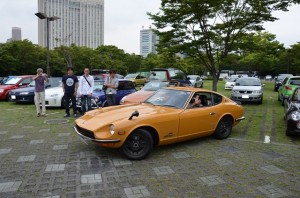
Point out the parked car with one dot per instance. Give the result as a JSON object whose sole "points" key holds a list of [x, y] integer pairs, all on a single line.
{"points": [[279, 79], [195, 80], [147, 91], [54, 97], [287, 88], [292, 113], [5, 79], [26, 94], [230, 82], [99, 98], [268, 78], [247, 89], [137, 79], [170, 74], [14, 83], [164, 118]]}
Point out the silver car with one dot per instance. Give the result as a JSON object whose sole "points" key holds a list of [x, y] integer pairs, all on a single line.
{"points": [[248, 89], [195, 80]]}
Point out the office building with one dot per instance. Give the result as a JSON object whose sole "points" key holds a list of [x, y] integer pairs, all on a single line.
{"points": [[16, 34], [81, 23], [148, 42]]}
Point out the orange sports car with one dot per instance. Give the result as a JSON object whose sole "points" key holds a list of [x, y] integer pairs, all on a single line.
{"points": [[170, 115]]}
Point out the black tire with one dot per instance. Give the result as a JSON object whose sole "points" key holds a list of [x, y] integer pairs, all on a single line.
{"points": [[282, 102], [261, 100], [138, 145], [224, 128], [287, 133]]}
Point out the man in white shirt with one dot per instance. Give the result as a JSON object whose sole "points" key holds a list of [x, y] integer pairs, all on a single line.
{"points": [[86, 87]]}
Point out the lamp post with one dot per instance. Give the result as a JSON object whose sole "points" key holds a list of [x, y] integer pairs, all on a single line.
{"points": [[289, 60], [48, 19]]}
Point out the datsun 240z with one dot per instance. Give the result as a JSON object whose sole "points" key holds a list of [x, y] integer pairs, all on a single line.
{"points": [[166, 117]]}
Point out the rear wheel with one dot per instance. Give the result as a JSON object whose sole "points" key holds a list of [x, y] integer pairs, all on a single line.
{"points": [[138, 145], [224, 128]]}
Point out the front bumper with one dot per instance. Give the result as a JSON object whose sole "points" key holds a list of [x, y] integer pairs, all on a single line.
{"points": [[86, 135], [246, 97], [21, 98], [291, 126]]}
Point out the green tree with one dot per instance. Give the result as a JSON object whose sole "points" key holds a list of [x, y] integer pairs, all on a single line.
{"points": [[210, 29]]}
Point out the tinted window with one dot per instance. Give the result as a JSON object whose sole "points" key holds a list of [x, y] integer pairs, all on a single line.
{"points": [[217, 99], [295, 81], [121, 85], [26, 81], [248, 82], [129, 85]]}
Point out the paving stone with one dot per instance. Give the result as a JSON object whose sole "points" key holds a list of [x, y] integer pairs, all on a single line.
{"points": [[90, 179], [44, 130], [10, 186], [55, 167], [212, 180], [17, 137], [5, 151], [36, 141], [3, 132], [28, 158], [272, 169], [121, 162], [60, 147], [138, 191], [223, 162], [180, 155], [55, 196], [64, 134], [163, 170], [272, 191], [27, 127]]}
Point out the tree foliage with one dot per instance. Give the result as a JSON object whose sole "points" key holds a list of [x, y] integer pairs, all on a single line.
{"points": [[209, 30]]}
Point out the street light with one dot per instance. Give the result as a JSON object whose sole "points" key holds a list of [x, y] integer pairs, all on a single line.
{"points": [[52, 18]]}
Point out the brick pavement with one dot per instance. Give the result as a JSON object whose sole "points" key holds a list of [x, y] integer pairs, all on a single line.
{"points": [[39, 159]]}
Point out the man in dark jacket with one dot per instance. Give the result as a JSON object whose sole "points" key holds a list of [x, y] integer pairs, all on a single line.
{"points": [[70, 86]]}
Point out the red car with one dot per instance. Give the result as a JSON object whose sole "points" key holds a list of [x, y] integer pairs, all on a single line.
{"points": [[14, 83]]}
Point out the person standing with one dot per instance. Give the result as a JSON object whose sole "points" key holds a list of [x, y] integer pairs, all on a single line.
{"points": [[70, 86], [86, 87], [39, 92], [111, 84]]}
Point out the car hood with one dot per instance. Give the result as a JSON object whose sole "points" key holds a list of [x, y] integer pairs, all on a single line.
{"points": [[250, 88], [138, 97], [25, 89], [6, 86], [99, 118], [230, 83], [54, 90]]}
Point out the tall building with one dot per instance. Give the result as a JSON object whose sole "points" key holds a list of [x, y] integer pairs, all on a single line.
{"points": [[16, 34], [81, 23], [148, 41]]}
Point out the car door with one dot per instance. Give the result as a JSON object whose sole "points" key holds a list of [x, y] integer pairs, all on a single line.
{"points": [[198, 121]]}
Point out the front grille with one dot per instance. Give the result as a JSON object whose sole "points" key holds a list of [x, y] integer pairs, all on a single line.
{"points": [[85, 132], [245, 92]]}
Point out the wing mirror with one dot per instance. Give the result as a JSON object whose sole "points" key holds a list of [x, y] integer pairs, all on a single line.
{"points": [[135, 113]]}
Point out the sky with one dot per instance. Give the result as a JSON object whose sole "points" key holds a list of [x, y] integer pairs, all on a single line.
{"points": [[123, 20]]}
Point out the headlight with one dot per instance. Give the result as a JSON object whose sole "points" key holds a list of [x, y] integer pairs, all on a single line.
{"points": [[235, 91], [257, 92], [112, 129], [295, 115], [53, 95], [122, 100], [24, 93], [96, 99], [1, 90]]}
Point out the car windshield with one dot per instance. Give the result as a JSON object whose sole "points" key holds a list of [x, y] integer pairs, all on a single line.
{"points": [[247, 82], [231, 80], [193, 77], [155, 85], [130, 76], [13, 81], [281, 78], [158, 75], [169, 98], [98, 86]]}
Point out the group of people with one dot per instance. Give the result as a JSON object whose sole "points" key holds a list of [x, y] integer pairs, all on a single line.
{"points": [[72, 87]]}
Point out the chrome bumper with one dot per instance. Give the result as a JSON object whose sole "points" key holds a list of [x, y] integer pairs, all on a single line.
{"points": [[84, 138], [239, 119]]}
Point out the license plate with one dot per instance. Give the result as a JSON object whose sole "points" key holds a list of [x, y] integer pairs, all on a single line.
{"points": [[245, 96], [13, 97]]}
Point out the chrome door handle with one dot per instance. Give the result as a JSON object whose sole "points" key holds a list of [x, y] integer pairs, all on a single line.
{"points": [[212, 113]]}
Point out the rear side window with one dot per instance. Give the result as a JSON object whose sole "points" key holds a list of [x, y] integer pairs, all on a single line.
{"points": [[295, 81], [129, 85]]}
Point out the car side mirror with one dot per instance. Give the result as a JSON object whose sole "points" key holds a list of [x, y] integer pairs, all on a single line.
{"points": [[135, 113]]}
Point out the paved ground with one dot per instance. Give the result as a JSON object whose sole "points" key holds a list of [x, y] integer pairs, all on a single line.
{"points": [[42, 157]]}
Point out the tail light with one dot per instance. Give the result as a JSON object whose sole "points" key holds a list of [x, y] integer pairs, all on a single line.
{"points": [[288, 88]]}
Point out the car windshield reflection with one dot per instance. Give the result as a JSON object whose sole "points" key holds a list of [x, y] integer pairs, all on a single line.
{"points": [[155, 85], [248, 82], [169, 98]]}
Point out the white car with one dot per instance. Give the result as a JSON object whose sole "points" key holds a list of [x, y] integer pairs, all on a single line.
{"points": [[54, 97], [195, 80], [230, 82]]}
